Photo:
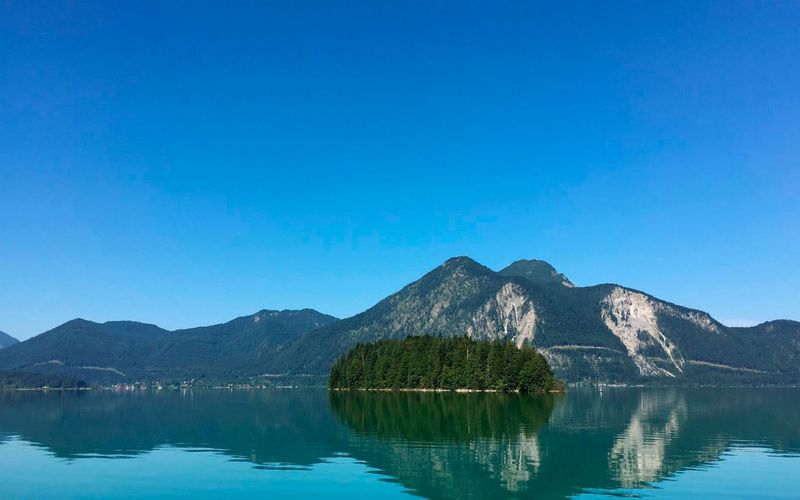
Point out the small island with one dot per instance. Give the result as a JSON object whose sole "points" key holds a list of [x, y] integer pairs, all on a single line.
{"points": [[434, 363]]}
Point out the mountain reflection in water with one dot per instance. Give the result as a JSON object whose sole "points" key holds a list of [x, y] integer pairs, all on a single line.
{"points": [[440, 445]]}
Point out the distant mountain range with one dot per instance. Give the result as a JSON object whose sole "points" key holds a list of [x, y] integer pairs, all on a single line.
{"points": [[118, 351], [601, 333], [7, 340]]}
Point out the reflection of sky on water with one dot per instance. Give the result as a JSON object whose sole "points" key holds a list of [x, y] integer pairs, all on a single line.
{"points": [[174, 472], [29, 471]]}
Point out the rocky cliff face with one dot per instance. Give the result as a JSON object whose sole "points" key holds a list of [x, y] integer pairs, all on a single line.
{"points": [[632, 318], [509, 314]]}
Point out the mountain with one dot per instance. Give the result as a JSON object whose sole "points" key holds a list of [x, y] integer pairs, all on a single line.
{"points": [[603, 333], [537, 271], [7, 340], [245, 346], [127, 350]]}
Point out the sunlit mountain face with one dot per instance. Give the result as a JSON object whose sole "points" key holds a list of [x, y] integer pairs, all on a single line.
{"points": [[439, 445]]}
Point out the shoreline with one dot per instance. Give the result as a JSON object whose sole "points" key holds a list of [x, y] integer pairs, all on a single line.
{"points": [[597, 386], [46, 389], [462, 391]]}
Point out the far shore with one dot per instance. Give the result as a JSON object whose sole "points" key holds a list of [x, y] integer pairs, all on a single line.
{"points": [[46, 389], [404, 389], [599, 386]]}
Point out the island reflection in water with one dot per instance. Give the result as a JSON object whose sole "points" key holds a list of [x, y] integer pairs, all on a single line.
{"points": [[438, 445]]}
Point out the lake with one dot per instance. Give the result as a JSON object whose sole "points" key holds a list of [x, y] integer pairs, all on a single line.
{"points": [[648, 443]]}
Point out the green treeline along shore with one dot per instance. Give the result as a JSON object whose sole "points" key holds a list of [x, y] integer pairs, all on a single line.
{"points": [[435, 363]]}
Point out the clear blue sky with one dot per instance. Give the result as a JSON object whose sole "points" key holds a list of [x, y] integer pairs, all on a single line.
{"points": [[183, 163]]}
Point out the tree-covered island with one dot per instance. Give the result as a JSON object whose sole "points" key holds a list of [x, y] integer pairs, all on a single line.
{"points": [[445, 364]]}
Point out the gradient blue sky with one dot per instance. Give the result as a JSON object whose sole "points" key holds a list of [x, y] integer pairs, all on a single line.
{"points": [[183, 163]]}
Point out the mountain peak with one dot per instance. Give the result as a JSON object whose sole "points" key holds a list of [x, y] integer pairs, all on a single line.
{"points": [[460, 260], [537, 271], [77, 322], [464, 263], [308, 313]]}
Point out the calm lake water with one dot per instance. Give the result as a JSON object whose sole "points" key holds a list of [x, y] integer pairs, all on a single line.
{"points": [[666, 443]]}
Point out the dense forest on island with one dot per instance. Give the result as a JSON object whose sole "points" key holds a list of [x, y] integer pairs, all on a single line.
{"points": [[443, 363]]}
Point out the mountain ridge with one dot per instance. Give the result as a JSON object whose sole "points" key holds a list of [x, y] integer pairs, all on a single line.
{"points": [[599, 333], [7, 340], [115, 351]]}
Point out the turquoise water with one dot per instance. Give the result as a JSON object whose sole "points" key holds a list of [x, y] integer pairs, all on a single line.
{"points": [[669, 443]]}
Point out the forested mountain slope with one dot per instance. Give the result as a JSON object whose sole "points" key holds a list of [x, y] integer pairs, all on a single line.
{"points": [[127, 350]]}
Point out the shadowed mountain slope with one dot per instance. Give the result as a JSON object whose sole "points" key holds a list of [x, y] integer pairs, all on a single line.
{"points": [[7, 340], [127, 350]]}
